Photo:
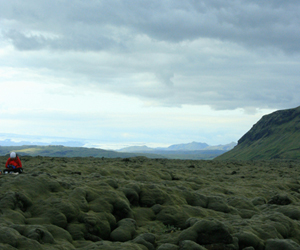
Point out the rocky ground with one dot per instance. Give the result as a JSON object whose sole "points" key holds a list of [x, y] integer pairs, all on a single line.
{"points": [[154, 204]]}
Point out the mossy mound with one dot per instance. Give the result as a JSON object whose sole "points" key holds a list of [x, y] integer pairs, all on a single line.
{"points": [[150, 204]]}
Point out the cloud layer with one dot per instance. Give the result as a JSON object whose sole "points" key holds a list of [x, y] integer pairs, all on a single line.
{"points": [[233, 54], [100, 25], [127, 58]]}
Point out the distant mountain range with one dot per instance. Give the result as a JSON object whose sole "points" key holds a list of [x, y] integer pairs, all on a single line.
{"points": [[192, 150], [192, 146], [8, 142], [274, 136]]}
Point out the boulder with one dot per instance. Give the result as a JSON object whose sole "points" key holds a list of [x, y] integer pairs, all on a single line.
{"points": [[26, 243], [247, 239], [168, 246], [173, 216], [9, 236], [98, 224], [281, 244], [125, 231], [38, 233], [147, 239], [131, 195], [206, 232], [217, 204], [290, 211], [196, 199], [151, 195], [190, 245], [241, 203], [280, 199], [257, 201]]}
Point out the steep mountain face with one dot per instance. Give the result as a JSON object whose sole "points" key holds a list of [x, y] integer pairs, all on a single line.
{"points": [[274, 136]]}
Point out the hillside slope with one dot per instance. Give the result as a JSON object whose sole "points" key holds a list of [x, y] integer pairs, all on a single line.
{"points": [[274, 136], [62, 151]]}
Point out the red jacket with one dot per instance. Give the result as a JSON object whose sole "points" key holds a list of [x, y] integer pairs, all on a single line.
{"points": [[14, 161]]}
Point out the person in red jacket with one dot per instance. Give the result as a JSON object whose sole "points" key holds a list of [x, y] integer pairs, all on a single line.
{"points": [[13, 164]]}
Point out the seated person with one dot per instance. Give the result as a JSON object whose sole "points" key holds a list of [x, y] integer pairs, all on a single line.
{"points": [[13, 164]]}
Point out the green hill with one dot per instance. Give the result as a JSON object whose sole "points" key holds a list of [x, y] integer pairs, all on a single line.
{"points": [[62, 151], [274, 136]]}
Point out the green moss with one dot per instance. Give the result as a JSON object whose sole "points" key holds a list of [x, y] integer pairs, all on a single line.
{"points": [[50, 207]]}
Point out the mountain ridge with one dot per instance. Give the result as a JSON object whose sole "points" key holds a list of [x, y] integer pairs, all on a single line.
{"points": [[274, 136], [9, 142], [192, 146]]}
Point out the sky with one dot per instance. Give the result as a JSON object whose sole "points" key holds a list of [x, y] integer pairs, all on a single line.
{"points": [[159, 72]]}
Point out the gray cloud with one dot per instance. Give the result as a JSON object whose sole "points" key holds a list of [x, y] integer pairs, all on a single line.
{"points": [[87, 26], [226, 54]]}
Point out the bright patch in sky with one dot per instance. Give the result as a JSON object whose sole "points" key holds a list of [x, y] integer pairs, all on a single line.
{"points": [[137, 72]]}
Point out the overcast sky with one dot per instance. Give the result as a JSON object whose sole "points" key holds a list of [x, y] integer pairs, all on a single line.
{"points": [[148, 72]]}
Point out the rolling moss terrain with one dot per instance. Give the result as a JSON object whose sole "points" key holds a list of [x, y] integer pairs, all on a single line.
{"points": [[150, 204], [274, 136]]}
